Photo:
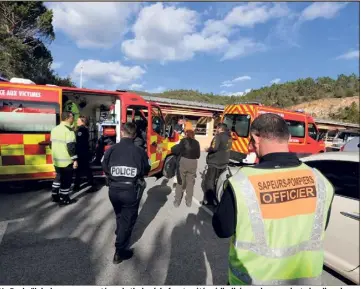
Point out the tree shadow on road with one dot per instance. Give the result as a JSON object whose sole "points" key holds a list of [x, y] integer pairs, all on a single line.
{"points": [[33, 259], [27, 194], [52, 245], [73, 245], [198, 256], [157, 196]]}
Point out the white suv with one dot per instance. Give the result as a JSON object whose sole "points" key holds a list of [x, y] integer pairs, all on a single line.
{"points": [[342, 239], [352, 145]]}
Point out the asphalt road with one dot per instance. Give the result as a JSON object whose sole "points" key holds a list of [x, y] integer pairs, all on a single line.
{"points": [[73, 245]]}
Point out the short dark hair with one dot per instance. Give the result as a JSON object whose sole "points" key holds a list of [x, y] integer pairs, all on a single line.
{"points": [[66, 115], [270, 126], [223, 126], [84, 119], [129, 129]]}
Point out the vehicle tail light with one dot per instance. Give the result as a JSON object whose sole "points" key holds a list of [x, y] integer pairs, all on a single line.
{"points": [[342, 148], [109, 131]]}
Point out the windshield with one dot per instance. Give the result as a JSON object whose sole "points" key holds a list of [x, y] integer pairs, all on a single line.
{"points": [[296, 128], [238, 123]]}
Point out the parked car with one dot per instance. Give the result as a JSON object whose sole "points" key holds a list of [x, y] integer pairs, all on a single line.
{"points": [[342, 239], [342, 137], [352, 145]]}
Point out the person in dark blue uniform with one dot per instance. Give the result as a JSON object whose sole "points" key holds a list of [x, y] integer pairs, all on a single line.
{"points": [[141, 134], [125, 166], [82, 148]]}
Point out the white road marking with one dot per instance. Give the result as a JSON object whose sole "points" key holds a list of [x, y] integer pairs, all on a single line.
{"points": [[4, 225], [209, 278], [198, 203], [77, 194]]}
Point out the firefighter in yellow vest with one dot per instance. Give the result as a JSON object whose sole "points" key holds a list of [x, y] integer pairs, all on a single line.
{"points": [[276, 213], [64, 156]]}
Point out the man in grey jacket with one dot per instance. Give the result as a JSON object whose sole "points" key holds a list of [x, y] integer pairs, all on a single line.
{"points": [[217, 161]]}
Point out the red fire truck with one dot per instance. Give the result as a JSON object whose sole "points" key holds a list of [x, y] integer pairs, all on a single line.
{"points": [[28, 112], [305, 137]]}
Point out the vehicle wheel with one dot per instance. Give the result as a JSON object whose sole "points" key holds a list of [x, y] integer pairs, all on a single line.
{"points": [[166, 167]]}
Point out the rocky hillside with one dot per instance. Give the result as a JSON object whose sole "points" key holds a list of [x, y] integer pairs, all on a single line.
{"points": [[323, 97], [343, 109]]}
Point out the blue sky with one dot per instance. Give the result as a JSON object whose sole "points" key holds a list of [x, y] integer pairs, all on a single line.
{"points": [[224, 48]]}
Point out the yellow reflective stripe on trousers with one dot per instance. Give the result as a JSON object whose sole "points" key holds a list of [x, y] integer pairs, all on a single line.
{"points": [[246, 279]]}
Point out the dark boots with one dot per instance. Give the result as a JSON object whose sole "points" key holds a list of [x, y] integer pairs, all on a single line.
{"points": [[65, 200], [122, 255], [55, 197]]}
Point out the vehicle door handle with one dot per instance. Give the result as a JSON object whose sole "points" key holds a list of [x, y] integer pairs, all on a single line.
{"points": [[154, 144], [44, 143], [352, 216]]}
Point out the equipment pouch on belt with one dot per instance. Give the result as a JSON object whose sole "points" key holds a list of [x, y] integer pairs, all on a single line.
{"points": [[140, 185]]}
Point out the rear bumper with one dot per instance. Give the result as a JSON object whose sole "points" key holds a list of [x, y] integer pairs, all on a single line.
{"points": [[237, 156]]}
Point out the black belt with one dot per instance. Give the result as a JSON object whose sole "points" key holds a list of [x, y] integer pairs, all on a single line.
{"points": [[121, 184]]}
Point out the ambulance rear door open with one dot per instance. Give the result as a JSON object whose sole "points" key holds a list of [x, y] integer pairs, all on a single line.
{"points": [[104, 110], [157, 138]]}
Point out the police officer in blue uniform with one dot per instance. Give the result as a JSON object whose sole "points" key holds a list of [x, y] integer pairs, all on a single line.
{"points": [[82, 148], [125, 166]]}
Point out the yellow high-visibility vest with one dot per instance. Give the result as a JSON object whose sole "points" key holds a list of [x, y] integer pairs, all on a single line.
{"points": [[281, 219], [61, 136]]}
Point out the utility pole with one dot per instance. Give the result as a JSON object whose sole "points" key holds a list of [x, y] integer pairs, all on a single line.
{"points": [[81, 76]]}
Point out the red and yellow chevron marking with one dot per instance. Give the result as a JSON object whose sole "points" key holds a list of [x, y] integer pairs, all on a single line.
{"points": [[241, 109], [21, 155], [240, 144]]}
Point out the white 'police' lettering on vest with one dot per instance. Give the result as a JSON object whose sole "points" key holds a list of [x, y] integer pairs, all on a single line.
{"points": [[123, 171]]}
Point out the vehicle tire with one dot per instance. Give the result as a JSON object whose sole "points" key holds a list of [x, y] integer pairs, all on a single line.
{"points": [[166, 167]]}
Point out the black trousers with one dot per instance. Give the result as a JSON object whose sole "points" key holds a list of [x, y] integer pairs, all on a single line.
{"points": [[210, 183], [63, 180], [125, 200], [83, 169]]}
